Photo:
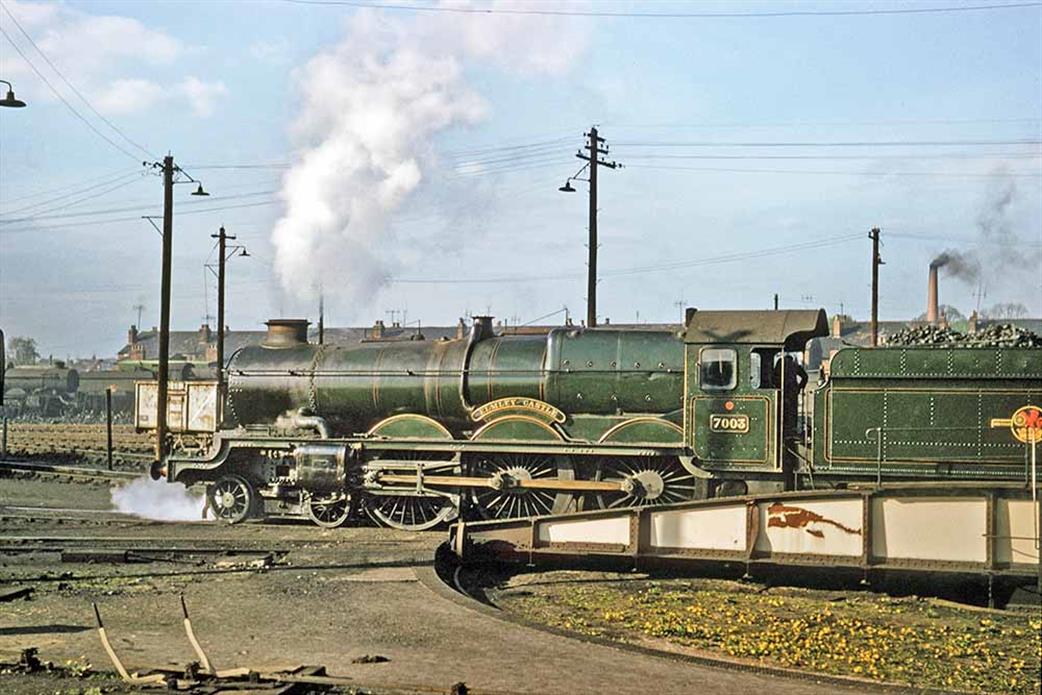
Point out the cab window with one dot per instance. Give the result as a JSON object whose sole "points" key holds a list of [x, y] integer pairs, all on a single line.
{"points": [[718, 369]]}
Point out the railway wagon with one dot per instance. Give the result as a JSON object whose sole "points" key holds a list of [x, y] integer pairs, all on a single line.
{"points": [[415, 433]]}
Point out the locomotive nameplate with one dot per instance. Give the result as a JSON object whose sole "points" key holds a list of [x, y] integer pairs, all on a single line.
{"points": [[730, 423], [532, 406]]}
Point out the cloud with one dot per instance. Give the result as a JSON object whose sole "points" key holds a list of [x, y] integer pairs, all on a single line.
{"points": [[104, 56], [127, 96], [202, 96], [272, 52]]}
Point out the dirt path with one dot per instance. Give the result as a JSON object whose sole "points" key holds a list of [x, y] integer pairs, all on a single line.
{"points": [[339, 595]]}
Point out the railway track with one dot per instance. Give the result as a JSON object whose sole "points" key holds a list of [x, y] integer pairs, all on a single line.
{"points": [[17, 467]]}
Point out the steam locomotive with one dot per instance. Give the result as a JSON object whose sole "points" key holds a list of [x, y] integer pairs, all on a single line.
{"points": [[415, 433]]}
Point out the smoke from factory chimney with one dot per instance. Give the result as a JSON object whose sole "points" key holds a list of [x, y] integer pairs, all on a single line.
{"points": [[932, 306]]}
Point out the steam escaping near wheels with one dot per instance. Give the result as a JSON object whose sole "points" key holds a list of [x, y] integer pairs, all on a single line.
{"points": [[157, 500]]}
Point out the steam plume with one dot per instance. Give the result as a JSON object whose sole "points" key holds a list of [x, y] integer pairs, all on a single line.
{"points": [[157, 499], [371, 108]]}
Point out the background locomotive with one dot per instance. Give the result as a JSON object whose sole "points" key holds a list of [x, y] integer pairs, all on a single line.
{"points": [[417, 432], [55, 391]]}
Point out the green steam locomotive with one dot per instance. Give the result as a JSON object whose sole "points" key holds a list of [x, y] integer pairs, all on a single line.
{"points": [[415, 433]]}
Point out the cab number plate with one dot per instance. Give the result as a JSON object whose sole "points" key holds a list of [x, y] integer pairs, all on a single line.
{"points": [[734, 424]]}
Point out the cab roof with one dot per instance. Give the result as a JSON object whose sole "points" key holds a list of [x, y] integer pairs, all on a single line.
{"points": [[789, 328]]}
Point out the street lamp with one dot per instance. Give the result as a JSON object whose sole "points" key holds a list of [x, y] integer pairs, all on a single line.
{"points": [[10, 99]]}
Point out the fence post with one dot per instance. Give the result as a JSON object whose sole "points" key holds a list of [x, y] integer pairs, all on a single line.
{"points": [[108, 424], [3, 440]]}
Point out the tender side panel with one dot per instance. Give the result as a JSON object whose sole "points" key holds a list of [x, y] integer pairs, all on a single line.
{"points": [[928, 423]]}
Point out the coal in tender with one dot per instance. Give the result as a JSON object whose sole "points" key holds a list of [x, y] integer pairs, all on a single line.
{"points": [[998, 335]]}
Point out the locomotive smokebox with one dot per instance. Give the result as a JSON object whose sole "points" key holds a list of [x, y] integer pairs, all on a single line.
{"points": [[283, 333]]}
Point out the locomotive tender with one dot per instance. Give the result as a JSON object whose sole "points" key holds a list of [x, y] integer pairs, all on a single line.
{"points": [[417, 432]]}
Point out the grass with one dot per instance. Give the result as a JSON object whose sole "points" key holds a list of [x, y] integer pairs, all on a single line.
{"points": [[906, 640]]}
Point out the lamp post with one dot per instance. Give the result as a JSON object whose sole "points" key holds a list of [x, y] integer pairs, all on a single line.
{"points": [[170, 172], [10, 100], [224, 253]]}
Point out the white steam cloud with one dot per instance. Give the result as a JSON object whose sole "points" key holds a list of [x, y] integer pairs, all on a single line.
{"points": [[158, 500], [371, 106]]}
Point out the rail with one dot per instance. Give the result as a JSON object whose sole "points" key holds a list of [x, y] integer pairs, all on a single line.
{"points": [[70, 471]]}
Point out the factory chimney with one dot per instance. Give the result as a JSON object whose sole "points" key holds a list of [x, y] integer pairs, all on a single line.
{"points": [[932, 311]]}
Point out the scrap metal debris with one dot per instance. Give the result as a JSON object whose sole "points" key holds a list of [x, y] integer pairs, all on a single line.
{"points": [[201, 676], [25, 592], [370, 659]]}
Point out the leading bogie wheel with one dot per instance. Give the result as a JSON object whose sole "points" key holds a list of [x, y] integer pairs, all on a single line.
{"points": [[329, 512], [232, 499], [410, 512]]}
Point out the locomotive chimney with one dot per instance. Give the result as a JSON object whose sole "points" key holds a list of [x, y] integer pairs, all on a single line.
{"points": [[283, 333], [932, 311]]}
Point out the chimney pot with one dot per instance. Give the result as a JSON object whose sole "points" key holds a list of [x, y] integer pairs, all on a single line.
{"points": [[284, 333]]}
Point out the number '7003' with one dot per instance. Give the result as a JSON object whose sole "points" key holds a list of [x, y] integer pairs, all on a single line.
{"points": [[736, 424]]}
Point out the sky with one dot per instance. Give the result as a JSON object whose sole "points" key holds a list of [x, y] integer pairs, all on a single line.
{"points": [[408, 159]]}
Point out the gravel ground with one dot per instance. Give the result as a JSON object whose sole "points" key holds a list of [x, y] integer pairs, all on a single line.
{"points": [[332, 597]]}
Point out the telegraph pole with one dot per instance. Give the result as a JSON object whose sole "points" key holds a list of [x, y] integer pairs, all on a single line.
{"points": [[321, 318], [876, 262], [225, 252], [169, 172], [594, 149], [222, 248], [164, 308]]}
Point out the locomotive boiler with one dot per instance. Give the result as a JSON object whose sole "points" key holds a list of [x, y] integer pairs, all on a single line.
{"points": [[415, 433]]}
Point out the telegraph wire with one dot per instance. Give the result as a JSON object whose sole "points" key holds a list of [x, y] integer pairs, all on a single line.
{"points": [[86, 213], [636, 270], [849, 143], [834, 172], [508, 148], [983, 155], [94, 223], [57, 189], [71, 86], [65, 101], [45, 214], [803, 124], [668, 15], [77, 191]]}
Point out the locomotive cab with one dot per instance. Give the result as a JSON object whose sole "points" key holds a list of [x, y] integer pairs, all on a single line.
{"points": [[743, 392]]}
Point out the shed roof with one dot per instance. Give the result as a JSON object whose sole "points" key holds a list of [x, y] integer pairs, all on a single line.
{"points": [[791, 328]]}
